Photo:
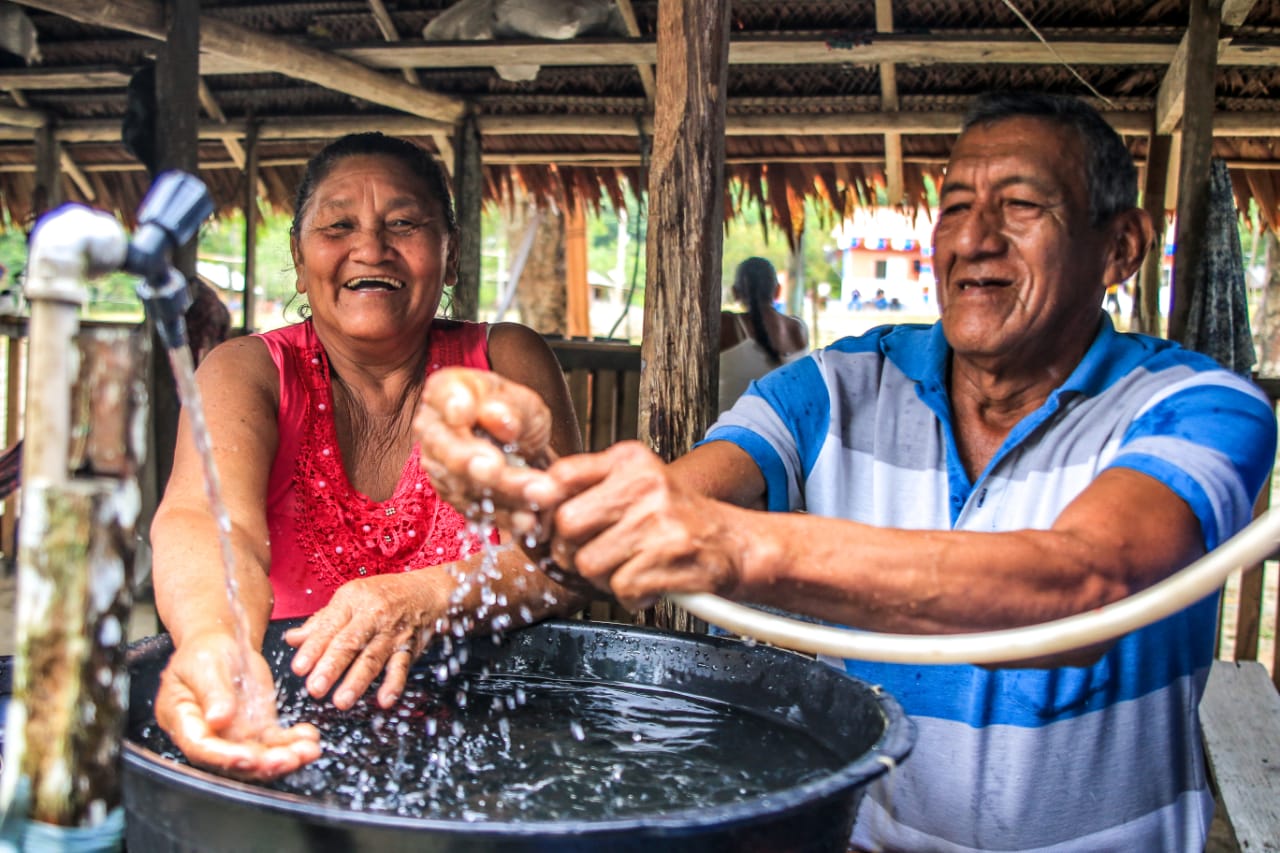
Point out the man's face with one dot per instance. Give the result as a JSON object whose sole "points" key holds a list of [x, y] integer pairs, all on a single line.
{"points": [[1020, 269]]}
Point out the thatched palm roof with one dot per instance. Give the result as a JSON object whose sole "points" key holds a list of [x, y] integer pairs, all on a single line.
{"points": [[824, 98]]}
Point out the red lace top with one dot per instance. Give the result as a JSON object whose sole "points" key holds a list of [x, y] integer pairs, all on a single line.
{"points": [[325, 533]]}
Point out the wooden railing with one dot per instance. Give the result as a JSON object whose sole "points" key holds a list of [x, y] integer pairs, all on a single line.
{"points": [[604, 384]]}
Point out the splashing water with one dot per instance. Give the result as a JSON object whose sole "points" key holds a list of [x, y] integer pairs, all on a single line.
{"points": [[189, 394], [569, 749]]}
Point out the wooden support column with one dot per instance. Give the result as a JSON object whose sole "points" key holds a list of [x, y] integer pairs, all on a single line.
{"points": [[48, 193], [1146, 304], [177, 121], [468, 188], [889, 103], [685, 236], [250, 225], [577, 290], [1193, 172]]}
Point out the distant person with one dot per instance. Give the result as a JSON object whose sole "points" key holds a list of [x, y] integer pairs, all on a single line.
{"points": [[881, 301], [756, 342], [855, 300]]}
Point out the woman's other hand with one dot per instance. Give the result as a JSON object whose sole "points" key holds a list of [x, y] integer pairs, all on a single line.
{"points": [[371, 626], [465, 420], [219, 725]]}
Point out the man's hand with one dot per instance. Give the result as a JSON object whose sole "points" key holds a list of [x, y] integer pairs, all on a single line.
{"points": [[224, 727], [483, 439], [634, 530]]}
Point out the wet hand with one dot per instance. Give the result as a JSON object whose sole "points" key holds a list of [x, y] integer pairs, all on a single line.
{"points": [[372, 626], [225, 728], [634, 531], [483, 440]]}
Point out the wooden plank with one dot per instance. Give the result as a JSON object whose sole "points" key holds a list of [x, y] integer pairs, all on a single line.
{"points": [[12, 432], [579, 382], [250, 204], [468, 182], [1193, 171], [1013, 47], [629, 407], [1240, 715], [644, 69], [604, 409], [254, 50], [79, 77], [1170, 99], [1155, 181]]}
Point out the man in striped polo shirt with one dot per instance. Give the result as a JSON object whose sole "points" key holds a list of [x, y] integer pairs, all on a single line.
{"points": [[1017, 462]]}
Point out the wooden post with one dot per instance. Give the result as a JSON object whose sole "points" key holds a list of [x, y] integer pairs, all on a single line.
{"points": [[468, 190], [177, 121], [686, 224], [12, 432], [250, 225], [1146, 303], [577, 289], [1193, 173], [48, 192]]}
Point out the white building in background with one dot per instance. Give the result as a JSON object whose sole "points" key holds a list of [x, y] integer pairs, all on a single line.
{"points": [[887, 261]]}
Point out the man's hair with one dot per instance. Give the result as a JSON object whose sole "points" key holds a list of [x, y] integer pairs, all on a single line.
{"points": [[1111, 176]]}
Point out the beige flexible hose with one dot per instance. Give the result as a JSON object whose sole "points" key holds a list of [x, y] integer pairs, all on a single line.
{"points": [[1255, 543]]}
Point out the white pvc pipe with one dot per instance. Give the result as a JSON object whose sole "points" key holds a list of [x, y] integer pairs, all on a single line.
{"points": [[1252, 545]]}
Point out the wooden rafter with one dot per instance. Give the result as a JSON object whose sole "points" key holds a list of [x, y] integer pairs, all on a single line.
{"points": [[889, 103], [254, 50], [387, 27], [935, 49], [1170, 100], [1129, 123], [644, 69]]}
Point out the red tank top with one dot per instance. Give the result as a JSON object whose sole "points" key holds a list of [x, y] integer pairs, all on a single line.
{"points": [[325, 533]]}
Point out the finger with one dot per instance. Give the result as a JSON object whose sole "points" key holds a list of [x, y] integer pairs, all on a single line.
{"points": [[363, 671], [335, 655], [397, 675]]}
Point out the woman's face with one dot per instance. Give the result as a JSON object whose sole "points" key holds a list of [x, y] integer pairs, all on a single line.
{"points": [[372, 251]]}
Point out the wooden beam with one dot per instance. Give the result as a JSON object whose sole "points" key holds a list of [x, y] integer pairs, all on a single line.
{"points": [[1155, 183], [1015, 47], [1193, 171], [686, 209], [644, 69], [893, 177], [250, 229], [1128, 123], [468, 182], [22, 116], [48, 191], [1172, 94], [82, 77], [254, 50]]}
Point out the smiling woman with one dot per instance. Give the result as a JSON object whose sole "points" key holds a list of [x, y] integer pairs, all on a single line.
{"points": [[330, 513]]}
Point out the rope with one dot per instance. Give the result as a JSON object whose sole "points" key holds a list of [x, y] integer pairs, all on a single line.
{"points": [[1055, 53]]}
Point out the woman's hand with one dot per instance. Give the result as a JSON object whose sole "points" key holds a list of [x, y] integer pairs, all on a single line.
{"points": [[371, 626], [225, 720], [633, 529], [483, 440]]}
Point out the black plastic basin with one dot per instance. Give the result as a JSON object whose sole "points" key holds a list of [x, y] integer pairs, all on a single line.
{"points": [[173, 807]]}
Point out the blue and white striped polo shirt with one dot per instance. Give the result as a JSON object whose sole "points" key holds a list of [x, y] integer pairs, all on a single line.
{"points": [[1106, 757]]}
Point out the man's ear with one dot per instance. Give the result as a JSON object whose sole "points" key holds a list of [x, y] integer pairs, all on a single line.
{"points": [[1131, 235]]}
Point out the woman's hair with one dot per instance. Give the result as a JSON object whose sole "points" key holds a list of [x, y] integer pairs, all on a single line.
{"points": [[754, 284], [417, 160]]}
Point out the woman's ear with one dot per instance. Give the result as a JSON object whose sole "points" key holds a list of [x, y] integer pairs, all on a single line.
{"points": [[451, 261], [1131, 237], [296, 253]]}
